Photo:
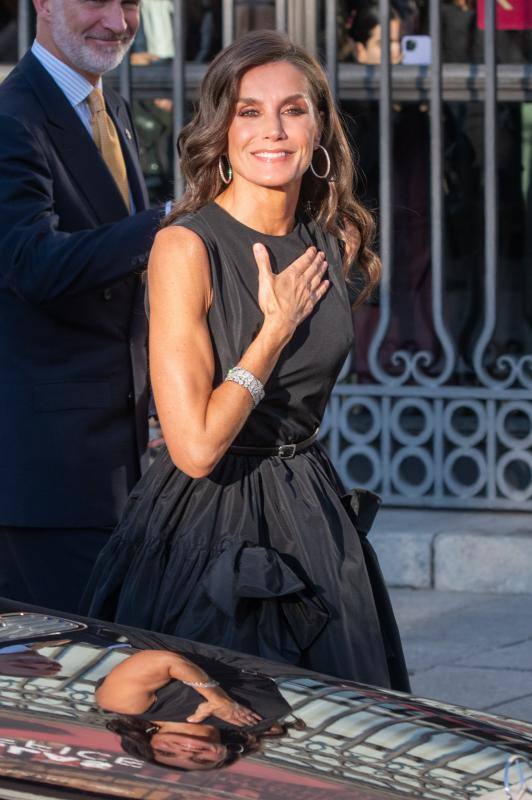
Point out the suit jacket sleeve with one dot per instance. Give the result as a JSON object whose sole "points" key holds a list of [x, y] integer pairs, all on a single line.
{"points": [[39, 261]]}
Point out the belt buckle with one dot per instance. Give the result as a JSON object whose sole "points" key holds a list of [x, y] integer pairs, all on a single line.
{"points": [[287, 451]]}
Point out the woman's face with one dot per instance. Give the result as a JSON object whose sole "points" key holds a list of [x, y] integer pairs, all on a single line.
{"points": [[187, 752], [275, 128], [371, 52]]}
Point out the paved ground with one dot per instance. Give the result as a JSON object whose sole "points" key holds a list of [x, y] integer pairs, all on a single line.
{"points": [[469, 649]]}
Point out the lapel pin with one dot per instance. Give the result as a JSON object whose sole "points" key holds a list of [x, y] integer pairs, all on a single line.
{"points": [[128, 133]]}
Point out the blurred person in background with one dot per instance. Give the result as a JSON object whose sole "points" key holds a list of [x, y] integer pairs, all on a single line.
{"points": [[463, 42], [154, 45], [410, 326]]}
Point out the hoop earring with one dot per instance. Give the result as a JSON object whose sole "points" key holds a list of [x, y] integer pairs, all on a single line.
{"points": [[235, 749], [225, 178], [152, 729], [328, 160]]}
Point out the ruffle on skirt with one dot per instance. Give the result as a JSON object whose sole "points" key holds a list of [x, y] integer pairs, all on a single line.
{"points": [[265, 556]]}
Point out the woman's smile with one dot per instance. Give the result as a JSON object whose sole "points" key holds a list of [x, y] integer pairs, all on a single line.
{"points": [[270, 156]]}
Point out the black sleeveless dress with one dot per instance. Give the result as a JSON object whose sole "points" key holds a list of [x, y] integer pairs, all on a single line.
{"points": [[175, 701], [261, 556]]}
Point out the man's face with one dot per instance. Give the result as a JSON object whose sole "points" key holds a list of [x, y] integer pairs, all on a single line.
{"points": [[92, 35]]}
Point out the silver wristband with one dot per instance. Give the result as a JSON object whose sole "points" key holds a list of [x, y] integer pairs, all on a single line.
{"points": [[246, 379], [201, 684]]}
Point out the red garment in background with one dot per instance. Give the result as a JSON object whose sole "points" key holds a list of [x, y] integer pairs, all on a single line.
{"points": [[511, 15]]}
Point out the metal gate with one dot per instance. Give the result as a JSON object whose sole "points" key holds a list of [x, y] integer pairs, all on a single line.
{"points": [[424, 431], [427, 426]]}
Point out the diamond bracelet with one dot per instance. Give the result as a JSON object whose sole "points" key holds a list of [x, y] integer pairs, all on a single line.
{"points": [[246, 379], [201, 684]]}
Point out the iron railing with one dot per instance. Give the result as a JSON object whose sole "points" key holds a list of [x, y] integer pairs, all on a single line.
{"points": [[422, 431]]}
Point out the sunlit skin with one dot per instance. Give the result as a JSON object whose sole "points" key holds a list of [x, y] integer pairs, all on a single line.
{"points": [[270, 144], [188, 746], [98, 32], [131, 688], [371, 52]]}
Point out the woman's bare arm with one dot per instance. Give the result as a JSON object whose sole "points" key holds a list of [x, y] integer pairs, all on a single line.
{"points": [[200, 423], [131, 687]]}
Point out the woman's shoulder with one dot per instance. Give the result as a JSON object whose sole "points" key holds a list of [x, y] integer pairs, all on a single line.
{"points": [[199, 222]]}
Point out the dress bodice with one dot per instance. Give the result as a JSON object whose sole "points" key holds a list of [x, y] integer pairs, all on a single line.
{"points": [[299, 387]]}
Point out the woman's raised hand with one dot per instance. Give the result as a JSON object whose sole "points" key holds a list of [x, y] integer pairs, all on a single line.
{"points": [[288, 298], [227, 710]]}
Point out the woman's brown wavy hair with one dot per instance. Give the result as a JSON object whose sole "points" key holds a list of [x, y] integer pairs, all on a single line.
{"points": [[330, 202]]}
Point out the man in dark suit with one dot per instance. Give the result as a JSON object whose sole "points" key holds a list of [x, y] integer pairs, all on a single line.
{"points": [[75, 233]]}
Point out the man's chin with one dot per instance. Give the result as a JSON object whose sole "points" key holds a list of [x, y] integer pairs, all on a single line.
{"points": [[97, 62]]}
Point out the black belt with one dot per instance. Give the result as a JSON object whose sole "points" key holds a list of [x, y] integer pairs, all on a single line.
{"points": [[282, 450]]}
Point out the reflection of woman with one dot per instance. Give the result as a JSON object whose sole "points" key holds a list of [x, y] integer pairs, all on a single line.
{"points": [[191, 715], [181, 745], [238, 535]]}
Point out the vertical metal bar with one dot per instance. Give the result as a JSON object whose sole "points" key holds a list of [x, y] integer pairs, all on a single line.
{"points": [[179, 87], [124, 77], [311, 25], [436, 184], [490, 195], [385, 192], [490, 147], [281, 15], [228, 22], [331, 45], [386, 446], [24, 26], [438, 451], [385, 145], [491, 450]]}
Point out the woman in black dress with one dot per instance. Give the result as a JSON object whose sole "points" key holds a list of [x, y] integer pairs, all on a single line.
{"points": [[190, 714], [239, 535]]}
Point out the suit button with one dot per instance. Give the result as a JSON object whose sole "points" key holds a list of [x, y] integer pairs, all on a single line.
{"points": [[130, 396], [107, 294]]}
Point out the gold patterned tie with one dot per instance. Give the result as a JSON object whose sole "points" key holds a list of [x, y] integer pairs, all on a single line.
{"points": [[108, 143]]}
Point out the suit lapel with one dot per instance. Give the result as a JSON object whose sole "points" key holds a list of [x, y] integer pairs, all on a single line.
{"points": [[74, 145], [118, 112]]}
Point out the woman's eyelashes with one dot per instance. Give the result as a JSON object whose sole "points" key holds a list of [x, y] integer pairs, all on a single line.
{"points": [[290, 110]]}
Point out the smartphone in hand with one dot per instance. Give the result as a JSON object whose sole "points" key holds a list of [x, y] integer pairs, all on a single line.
{"points": [[416, 50]]}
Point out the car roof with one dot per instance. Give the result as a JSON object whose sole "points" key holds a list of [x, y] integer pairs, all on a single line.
{"points": [[342, 739]]}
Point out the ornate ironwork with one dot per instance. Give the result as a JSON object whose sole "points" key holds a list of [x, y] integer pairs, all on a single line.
{"points": [[462, 447], [427, 428]]}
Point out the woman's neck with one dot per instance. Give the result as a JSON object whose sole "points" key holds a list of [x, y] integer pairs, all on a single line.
{"points": [[270, 211]]}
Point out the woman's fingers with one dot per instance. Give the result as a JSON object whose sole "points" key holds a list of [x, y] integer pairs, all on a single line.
{"points": [[315, 277], [315, 297], [311, 256], [262, 258], [198, 716]]}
